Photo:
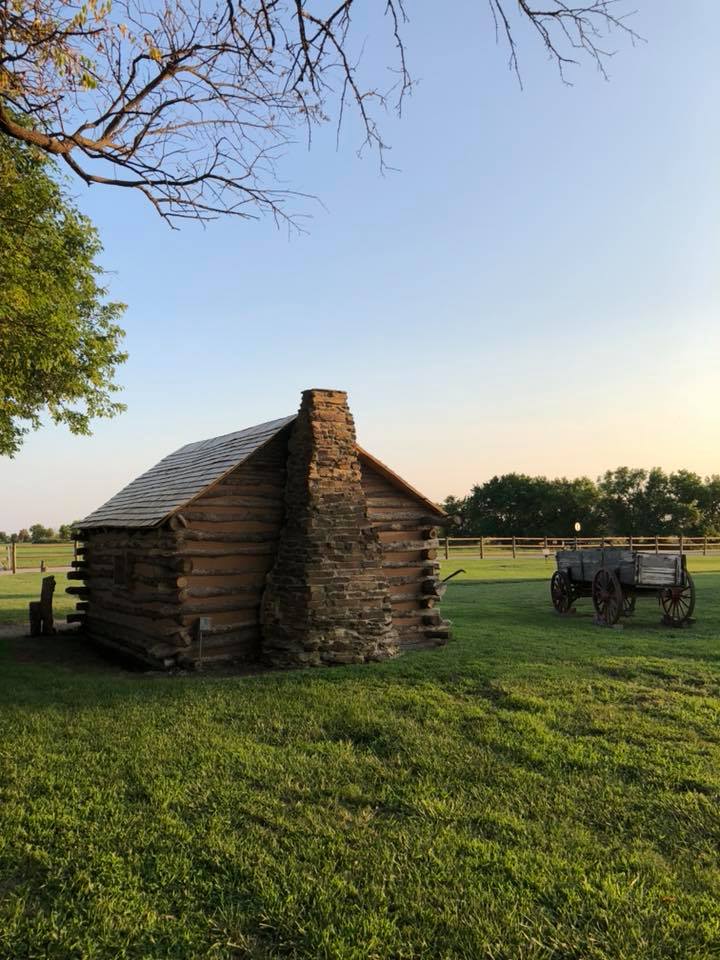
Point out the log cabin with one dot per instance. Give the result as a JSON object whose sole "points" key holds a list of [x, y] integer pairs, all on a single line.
{"points": [[285, 544]]}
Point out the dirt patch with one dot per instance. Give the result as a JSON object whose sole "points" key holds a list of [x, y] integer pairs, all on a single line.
{"points": [[68, 648]]}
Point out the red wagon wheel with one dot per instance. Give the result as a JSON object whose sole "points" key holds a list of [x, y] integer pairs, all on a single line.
{"points": [[561, 592], [607, 596], [678, 603]]}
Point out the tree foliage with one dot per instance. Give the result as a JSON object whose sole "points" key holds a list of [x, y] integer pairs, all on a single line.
{"points": [[59, 340], [624, 502], [191, 101]]}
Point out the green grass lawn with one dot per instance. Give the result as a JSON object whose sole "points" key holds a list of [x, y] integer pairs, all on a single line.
{"points": [[540, 788], [17, 590]]}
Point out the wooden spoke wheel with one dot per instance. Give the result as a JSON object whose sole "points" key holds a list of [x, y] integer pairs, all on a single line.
{"points": [[607, 597], [678, 603], [561, 592], [628, 604]]}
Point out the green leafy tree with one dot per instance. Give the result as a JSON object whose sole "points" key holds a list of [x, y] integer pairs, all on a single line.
{"points": [[22, 536], [620, 499], [40, 533], [65, 531], [59, 340], [3, 537], [711, 506]]}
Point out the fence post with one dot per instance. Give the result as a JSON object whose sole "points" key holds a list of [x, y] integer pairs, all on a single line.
{"points": [[482, 548], [13, 557], [630, 541], [680, 541], [657, 545], [704, 546], [513, 549], [545, 543], [447, 548]]}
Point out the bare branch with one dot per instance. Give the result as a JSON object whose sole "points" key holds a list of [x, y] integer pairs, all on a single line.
{"points": [[192, 102]]}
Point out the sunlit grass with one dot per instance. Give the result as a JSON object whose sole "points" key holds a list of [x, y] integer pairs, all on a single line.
{"points": [[540, 788]]}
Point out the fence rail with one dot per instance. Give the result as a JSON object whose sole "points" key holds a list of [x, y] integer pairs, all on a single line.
{"points": [[488, 548], [36, 556]]}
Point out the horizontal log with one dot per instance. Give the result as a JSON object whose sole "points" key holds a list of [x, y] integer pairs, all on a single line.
{"points": [[413, 578], [419, 564], [235, 515], [219, 497], [239, 590], [149, 566], [192, 536], [168, 584], [77, 574], [123, 646], [76, 618], [237, 626], [77, 591], [143, 540], [209, 605], [381, 499], [167, 558], [79, 564], [263, 483], [421, 517], [199, 553], [388, 526], [247, 639], [246, 571], [82, 605], [158, 619], [419, 598], [391, 546], [137, 628]]}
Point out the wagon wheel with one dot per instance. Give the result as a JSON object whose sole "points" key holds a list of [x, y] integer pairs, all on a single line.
{"points": [[561, 592], [678, 603], [629, 600], [607, 596]]}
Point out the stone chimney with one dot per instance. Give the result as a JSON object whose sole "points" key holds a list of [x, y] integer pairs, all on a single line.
{"points": [[326, 599]]}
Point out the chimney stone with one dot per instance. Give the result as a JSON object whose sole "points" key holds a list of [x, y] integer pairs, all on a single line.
{"points": [[326, 599]]}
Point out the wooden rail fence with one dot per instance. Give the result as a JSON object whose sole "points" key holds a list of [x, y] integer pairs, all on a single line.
{"points": [[488, 548], [42, 556], [37, 556]]}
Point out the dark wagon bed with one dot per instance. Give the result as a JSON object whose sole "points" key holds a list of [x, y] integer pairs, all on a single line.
{"points": [[614, 577]]}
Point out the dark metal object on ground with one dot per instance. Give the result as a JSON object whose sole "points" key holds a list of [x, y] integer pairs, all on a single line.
{"points": [[453, 574], [614, 577]]}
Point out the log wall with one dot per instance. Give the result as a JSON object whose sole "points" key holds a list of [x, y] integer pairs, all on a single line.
{"points": [[408, 533], [230, 539], [131, 593]]}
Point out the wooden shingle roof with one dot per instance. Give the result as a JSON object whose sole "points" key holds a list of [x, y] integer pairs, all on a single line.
{"points": [[180, 477]]}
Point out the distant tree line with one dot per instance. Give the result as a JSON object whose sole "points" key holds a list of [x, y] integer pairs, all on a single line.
{"points": [[625, 501], [38, 534]]}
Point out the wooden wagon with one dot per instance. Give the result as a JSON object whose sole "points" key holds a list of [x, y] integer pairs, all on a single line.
{"points": [[614, 578]]}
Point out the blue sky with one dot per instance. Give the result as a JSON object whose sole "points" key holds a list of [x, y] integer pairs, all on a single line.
{"points": [[536, 289]]}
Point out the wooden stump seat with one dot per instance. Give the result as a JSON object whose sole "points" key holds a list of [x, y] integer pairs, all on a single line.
{"points": [[41, 612]]}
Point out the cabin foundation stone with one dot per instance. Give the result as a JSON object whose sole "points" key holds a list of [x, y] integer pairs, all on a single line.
{"points": [[326, 599]]}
